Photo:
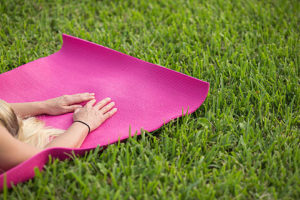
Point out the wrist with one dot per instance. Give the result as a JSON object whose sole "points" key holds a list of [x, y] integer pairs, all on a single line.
{"points": [[82, 125], [43, 107]]}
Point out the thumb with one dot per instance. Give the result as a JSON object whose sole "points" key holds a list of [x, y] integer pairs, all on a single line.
{"points": [[75, 108]]}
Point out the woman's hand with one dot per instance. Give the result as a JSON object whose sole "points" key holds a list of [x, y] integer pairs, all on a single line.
{"points": [[95, 115], [65, 103]]}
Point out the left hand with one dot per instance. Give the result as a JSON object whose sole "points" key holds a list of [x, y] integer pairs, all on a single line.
{"points": [[65, 103]]}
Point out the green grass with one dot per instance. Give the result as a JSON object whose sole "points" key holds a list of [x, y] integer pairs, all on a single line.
{"points": [[243, 142]]}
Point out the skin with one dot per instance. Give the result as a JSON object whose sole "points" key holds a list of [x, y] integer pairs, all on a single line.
{"points": [[13, 151]]}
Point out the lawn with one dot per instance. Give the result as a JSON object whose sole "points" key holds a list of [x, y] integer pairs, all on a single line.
{"points": [[242, 143]]}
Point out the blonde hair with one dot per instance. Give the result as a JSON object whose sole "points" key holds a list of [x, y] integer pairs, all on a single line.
{"points": [[31, 130]]}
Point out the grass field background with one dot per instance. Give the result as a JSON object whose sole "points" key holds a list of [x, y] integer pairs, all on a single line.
{"points": [[242, 143]]}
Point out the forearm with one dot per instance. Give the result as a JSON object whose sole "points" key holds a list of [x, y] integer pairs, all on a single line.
{"points": [[72, 138], [29, 109]]}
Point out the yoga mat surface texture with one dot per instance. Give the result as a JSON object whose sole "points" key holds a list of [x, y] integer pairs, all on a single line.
{"points": [[146, 95]]}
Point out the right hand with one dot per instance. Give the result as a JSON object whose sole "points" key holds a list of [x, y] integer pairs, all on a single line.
{"points": [[95, 115]]}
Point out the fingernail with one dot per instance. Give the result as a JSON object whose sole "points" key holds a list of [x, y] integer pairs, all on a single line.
{"points": [[92, 93], [108, 98]]}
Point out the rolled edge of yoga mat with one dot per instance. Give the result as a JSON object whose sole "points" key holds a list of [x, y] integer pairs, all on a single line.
{"points": [[75, 48]]}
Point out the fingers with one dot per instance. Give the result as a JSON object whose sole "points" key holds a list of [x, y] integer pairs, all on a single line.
{"points": [[107, 107], [110, 113], [78, 98], [103, 107], [102, 103], [90, 103]]}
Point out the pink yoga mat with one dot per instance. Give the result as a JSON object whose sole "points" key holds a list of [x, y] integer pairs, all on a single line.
{"points": [[146, 95]]}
